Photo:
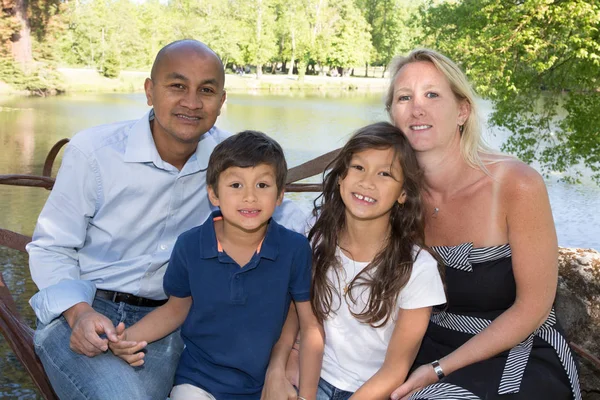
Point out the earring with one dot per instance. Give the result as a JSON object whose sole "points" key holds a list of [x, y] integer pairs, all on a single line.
{"points": [[461, 129]]}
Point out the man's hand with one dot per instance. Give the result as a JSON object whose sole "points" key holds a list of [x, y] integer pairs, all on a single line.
{"points": [[277, 387], [87, 325], [129, 351]]}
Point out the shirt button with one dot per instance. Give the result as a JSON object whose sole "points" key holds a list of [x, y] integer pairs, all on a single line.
{"points": [[163, 246]]}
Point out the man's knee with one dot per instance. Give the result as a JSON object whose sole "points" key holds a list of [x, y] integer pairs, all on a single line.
{"points": [[78, 377]]}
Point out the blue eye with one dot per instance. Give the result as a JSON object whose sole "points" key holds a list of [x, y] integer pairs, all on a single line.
{"points": [[404, 98], [431, 95]]}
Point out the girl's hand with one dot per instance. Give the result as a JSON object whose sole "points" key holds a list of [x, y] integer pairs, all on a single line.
{"points": [[127, 350], [421, 377], [277, 387]]}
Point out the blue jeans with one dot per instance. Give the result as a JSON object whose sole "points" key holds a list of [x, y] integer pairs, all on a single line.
{"points": [[327, 391], [105, 376]]}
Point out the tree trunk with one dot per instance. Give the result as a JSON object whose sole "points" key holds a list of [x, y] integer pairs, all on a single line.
{"points": [[258, 41], [366, 69], [21, 42], [291, 70]]}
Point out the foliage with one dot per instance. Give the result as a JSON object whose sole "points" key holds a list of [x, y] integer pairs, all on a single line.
{"points": [[395, 27], [539, 61]]}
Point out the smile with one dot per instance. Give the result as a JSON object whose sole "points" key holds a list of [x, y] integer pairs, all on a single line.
{"points": [[419, 127], [249, 213], [187, 118], [364, 198]]}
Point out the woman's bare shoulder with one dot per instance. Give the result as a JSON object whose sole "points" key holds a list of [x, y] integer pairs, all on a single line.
{"points": [[515, 179]]}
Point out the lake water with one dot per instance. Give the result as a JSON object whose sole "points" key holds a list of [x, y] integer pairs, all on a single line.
{"points": [[306, 125]]}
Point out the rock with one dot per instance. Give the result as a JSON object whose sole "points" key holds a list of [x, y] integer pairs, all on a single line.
{"points": [[578, 309]]}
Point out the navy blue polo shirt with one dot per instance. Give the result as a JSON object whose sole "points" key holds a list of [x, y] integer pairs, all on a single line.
{"points": [[237, 312]]}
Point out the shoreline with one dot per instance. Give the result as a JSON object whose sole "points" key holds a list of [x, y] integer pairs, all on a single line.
{"points": [[81, 80]]}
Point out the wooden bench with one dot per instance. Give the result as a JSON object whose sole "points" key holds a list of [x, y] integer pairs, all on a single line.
{"points": [[17, 333]]}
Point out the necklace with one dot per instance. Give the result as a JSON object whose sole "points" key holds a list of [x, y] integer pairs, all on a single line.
{"points": [[347, 281]]}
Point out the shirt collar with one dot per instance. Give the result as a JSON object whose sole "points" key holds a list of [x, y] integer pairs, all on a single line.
{"points": [[141, 147], [209, 246]]}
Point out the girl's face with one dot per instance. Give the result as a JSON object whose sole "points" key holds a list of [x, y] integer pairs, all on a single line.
{"points": [[372, 185], [425, 108]]}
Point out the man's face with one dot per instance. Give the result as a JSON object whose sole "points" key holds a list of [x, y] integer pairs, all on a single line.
{"points": [[187, 94]]}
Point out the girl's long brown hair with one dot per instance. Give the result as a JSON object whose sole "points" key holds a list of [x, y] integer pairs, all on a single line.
{"points": [[390, 270]]}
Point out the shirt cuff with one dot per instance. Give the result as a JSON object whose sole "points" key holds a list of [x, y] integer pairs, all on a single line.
{"points": [[49, 303]]}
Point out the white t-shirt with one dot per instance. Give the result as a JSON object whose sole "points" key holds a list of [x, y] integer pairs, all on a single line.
{"points": [[355, 351]]}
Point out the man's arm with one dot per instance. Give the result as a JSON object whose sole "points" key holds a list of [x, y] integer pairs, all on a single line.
{"points": [[53, 259]]}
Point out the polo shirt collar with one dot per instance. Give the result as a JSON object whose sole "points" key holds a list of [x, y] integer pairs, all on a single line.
{"points": [[141, 147], [269, 248]]}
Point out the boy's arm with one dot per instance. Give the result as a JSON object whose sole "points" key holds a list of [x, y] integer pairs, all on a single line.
{"points": [[276, 383], [156, 325], [312, 339], [407, 336]]}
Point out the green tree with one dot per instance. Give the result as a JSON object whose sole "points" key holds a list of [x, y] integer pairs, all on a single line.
{"points": [[258, 22], [539, 61], [351, 42]]}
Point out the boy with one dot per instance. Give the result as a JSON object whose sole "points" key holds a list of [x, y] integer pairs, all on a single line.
{"points": [[231, 281]]}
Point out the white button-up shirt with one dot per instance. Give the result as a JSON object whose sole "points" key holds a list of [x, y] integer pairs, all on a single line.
{"points": [[114, 214]]}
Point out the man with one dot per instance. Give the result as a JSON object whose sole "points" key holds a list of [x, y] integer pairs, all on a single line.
{"points": [[123, 194]]}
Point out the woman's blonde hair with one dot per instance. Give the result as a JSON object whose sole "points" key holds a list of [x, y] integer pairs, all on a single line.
{"points": [[472, 145]]}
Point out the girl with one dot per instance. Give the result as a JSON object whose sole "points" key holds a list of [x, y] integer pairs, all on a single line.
{"points": [[373, 284]]}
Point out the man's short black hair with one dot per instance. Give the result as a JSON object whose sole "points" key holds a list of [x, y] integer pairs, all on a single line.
{"points": [[244, 150]]}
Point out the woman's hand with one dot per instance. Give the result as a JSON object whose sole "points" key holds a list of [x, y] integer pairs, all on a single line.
{"points": [[421, 377]]}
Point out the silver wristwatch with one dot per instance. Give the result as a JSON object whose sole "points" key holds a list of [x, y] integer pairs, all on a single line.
{"points": [[438, 369]]}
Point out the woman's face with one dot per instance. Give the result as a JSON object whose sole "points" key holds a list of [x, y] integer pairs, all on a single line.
{"points": [[425, 108]]}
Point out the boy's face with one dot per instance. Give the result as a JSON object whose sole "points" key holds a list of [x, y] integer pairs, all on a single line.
{"points": [[247, 196]]}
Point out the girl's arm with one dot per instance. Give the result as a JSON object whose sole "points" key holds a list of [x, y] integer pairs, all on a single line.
{"points": [[312, 339], [534, 247], [276, 383], [156, 325], [402, 350]]}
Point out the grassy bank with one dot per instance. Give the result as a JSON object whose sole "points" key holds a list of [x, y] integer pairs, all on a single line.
{"points": [[88, 80]]}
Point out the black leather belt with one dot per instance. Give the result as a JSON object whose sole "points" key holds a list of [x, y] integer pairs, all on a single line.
{"points": [[118, 297]]}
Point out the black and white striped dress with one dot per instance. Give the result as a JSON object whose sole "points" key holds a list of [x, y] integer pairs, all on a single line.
{"points": [[481, 286]]}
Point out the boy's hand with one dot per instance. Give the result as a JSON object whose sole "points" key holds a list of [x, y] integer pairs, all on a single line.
{"points": [[127, 350], [277, 387]]}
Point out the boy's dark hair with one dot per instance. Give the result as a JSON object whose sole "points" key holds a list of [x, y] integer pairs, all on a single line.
{"points": [[244, 150]]}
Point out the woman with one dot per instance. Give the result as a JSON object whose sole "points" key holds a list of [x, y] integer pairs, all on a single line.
{"points": [[488, 217]]}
